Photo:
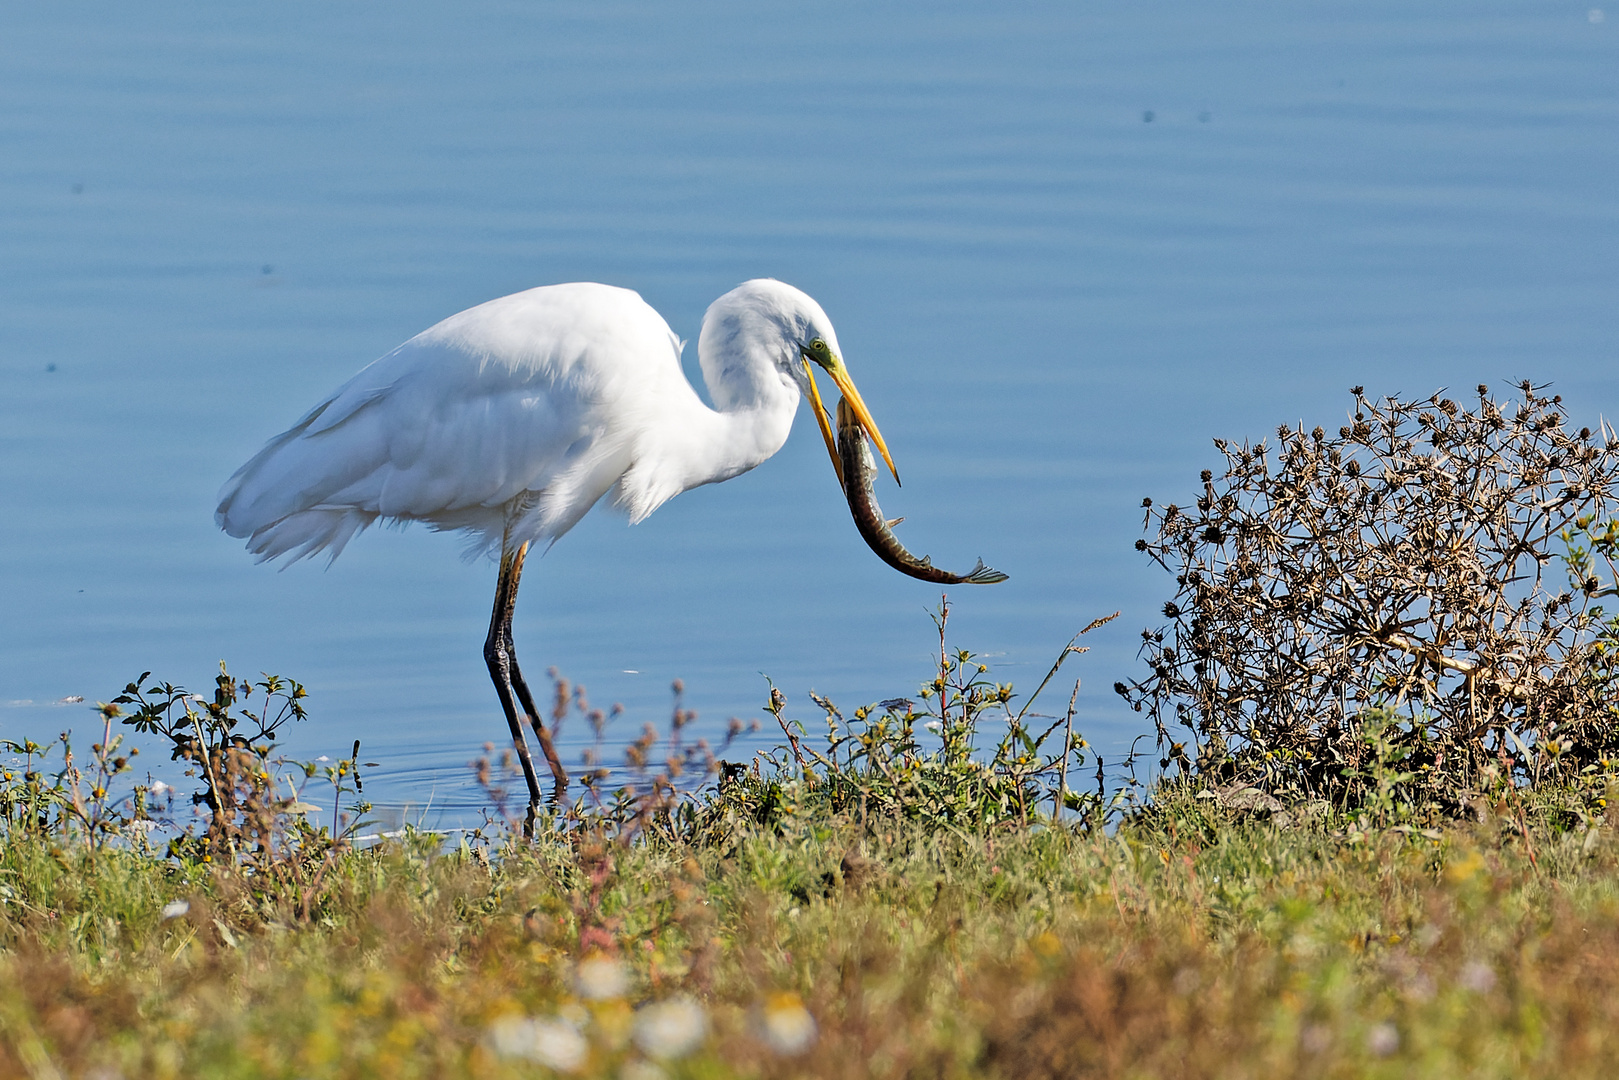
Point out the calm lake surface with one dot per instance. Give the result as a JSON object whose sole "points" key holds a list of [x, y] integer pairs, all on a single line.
{"points": [[1063, 245]]}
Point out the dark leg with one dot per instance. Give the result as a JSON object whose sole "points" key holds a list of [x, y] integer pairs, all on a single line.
{"points": [[509, 685], [559, 775]]}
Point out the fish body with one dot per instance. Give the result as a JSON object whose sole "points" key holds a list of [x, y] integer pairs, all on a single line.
{"points": [[859, 471]]}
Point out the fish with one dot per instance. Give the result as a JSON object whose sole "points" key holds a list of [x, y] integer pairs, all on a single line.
{"points": [[859, 475]]}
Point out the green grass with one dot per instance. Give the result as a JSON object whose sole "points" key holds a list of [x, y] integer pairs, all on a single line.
{"points": [[1188, 943], [884, 900]]}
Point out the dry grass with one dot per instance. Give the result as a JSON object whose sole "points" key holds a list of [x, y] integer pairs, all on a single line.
{"points": [[1192, 944]]}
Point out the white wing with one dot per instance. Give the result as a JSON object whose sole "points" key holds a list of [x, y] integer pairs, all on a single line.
{"points": [[522, 411]]}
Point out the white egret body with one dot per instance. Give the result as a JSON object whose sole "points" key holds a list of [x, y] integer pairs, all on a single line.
{"points": [[510, 420]]}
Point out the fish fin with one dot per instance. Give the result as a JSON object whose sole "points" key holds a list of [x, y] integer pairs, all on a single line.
{"points": [[894, 521], [983, 575]]}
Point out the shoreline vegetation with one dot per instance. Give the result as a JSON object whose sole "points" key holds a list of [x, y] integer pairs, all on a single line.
{"points": [[769, 937], [1378, 835]]}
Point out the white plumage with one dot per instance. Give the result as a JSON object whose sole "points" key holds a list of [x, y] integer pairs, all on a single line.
{"points": [[512, 419], [525, 411]]}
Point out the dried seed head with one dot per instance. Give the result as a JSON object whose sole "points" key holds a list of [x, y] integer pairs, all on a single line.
{"points": [[1269, 645]]}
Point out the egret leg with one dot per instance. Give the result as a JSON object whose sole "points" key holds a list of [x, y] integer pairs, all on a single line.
{"points": [[559, 775], [509, 684]]}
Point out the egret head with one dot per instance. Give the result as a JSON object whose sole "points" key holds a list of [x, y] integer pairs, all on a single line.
{"points": [[817, 351], [765, 330]]}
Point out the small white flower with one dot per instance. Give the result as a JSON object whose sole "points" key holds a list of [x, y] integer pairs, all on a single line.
{"points": [[640, 1069], [1420, 987], [1383, 1039], [671, 1029], [1477, 976], [787, 1026], [599, 978], [175, 908], [159, 788], [552, 1043]]}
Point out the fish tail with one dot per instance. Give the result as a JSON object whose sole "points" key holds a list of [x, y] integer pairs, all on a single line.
{"points": [[984, 575]]}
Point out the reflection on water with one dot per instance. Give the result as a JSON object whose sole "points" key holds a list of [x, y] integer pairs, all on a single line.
{"points": [[1063, 248]]}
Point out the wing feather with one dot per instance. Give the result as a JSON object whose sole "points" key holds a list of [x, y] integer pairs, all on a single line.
{"points": [[521, 411]]}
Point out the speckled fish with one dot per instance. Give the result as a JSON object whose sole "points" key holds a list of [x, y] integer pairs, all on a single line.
{"points": [[858, 471]]}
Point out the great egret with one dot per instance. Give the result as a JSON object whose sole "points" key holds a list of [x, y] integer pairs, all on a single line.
{"points": [[512, 419]]}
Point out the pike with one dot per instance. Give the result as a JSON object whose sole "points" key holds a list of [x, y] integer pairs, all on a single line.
{"points": [[858, 471]]}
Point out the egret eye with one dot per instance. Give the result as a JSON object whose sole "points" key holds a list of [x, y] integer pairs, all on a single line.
{"points": [[818, 346]]}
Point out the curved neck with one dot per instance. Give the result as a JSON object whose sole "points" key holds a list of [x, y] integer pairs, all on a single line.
{"points": [[692, 444], [748, 349], [726, 442]]}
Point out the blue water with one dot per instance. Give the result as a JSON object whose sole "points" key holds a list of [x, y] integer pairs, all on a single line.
{"points": [[1063, 246]]}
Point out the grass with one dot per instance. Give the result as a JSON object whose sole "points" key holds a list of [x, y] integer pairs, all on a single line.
{"points": [[891, 898], [1189, 942]]}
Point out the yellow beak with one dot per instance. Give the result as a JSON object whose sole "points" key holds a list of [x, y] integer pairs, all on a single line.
{"points": [[825, 423], [840, 376]]}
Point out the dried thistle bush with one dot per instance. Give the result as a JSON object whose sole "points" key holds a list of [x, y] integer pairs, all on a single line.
{"points": [[1415, 564]]}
